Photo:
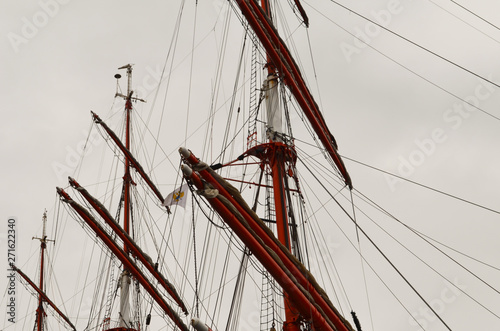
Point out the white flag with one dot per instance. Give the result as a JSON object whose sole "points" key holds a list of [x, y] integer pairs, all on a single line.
{"points": [[177, 197]]}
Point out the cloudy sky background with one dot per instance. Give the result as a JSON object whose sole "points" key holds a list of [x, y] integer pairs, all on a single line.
{"points": [[58, 60]]}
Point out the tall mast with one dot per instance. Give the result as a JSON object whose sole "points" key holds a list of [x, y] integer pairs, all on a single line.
{"points": [[277, 160], [126, 177], [43, 244], [127, 180]]}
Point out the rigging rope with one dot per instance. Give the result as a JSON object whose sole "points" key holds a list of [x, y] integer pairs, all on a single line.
{"points": [[195, 261], [463, 21], [380, 251], [416, 45], [424, 186], [471, 12], [408, 69], [191, 72], [434, 246], [355, 318], [172, 48], [425, 263]]}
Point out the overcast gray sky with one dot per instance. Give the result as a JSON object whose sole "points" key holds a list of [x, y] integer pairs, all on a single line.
{"points": [[393, 106]]}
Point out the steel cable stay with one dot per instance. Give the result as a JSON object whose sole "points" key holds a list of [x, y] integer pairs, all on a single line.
{"points": [[468, 295], [324, 257], [416, 44], [314, 232], [433, 269], [456, 251], [428, 240], [425, 186], [225, 269], [402, 178], [474, 14], [317, 253], [217, 85], [416, 256], [465, 22], [78, 167], [188, 106], [376, 206], [141, 147], [209, 290], [355, 318], [456, 96], [170, 55], [51, 276], [386, 258]]}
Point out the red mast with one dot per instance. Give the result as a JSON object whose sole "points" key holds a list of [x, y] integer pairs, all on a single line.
{"points": [[43, 244], [277, 159], [126, 177], [127, 181]]}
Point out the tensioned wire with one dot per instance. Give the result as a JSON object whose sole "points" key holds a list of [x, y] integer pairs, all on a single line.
{"points": [[207, 146], [405, 179], [331, 217], [419, 234], [463, 21], [379, 250], [427, 264], [428, 242], [425, 186], [361, 260], [410, 70], [476, 15], [415, 44]]}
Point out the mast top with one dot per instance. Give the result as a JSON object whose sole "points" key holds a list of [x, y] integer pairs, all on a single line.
{"points": [[128, 96], [44, 239], [127, 66]]}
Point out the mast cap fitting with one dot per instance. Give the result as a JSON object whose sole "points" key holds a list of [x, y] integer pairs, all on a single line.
{"points": [[187, 171], [186, 153]]}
